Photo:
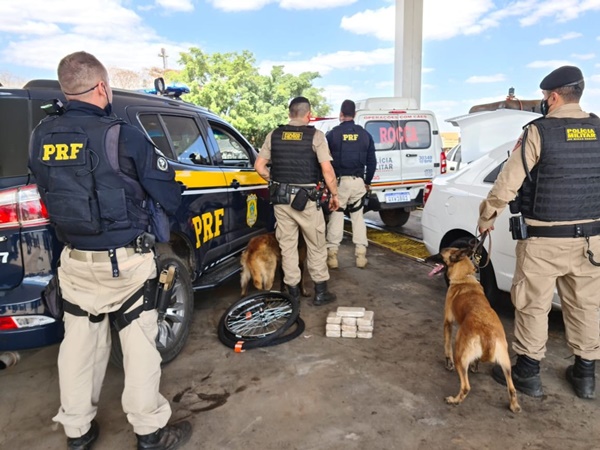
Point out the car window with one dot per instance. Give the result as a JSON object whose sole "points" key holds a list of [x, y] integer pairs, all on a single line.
{"points": [[188, 146], [491, 177], [14, 137], [232, 150], [403, 134]]}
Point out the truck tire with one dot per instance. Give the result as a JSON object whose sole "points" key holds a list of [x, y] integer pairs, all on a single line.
{"points": [[394, 217], [174, 329]]}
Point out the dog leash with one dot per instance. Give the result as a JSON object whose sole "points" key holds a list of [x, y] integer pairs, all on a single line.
{"points": [[477, 247]]}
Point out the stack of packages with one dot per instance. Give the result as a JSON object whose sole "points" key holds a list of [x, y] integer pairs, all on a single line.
{"points": [[350, 322]]}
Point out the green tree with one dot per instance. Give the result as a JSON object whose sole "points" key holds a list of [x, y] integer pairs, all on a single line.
{"points": [[230, 85]]}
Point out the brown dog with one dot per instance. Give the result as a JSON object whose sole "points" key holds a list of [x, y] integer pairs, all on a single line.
{"points": [[480, 336], [262, 259]]}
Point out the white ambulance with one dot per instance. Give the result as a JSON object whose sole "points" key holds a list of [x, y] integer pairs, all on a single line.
{"points": [[408, 149]]}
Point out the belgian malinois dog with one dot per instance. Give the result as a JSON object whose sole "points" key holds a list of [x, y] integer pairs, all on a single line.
{"points": [[480, 335]]}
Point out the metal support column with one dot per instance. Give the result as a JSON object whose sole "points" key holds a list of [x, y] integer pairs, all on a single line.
{"points": [[409, 49]]}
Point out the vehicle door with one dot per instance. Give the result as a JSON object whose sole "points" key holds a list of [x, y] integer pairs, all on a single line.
{"points": [[28, 249], [404, 147], [250, 212], [201, 218]]}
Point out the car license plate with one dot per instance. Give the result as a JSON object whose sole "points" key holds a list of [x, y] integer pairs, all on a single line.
{"points": [[397, 197]]}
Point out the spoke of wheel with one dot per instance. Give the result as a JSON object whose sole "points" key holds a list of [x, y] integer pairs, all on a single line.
{"points": [[259, 319]]}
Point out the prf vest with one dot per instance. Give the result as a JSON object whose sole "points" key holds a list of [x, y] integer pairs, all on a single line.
{"points": [[566, 180], [293, 160], [88, 199], [350, 150]]}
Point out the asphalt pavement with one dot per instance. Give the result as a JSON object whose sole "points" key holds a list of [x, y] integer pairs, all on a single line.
{"points": [[317, 393]]}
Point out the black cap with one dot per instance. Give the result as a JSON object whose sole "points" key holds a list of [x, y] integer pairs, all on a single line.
{"points": [[563, 76], [348, 108]]}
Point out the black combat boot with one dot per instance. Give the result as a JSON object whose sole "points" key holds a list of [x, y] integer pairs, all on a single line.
{"points": [[582, 376], [525, 375], [322, 295], [84, 442], [169, 437], [294, 291]]}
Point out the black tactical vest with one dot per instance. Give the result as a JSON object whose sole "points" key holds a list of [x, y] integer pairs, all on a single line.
{"points": [[293, 160], [93, 205], [566, 180], [350, 150]]}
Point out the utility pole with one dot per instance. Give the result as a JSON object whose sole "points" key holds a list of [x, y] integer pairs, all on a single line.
{"points": [[164, 56]]}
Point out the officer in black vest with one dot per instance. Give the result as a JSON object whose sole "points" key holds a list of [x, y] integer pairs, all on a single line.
{"points": [[96, 175], [555, 168], [354, 162], [299, 158]]}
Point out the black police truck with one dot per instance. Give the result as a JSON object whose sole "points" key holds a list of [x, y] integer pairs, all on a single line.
{"points": [[225, 203]]}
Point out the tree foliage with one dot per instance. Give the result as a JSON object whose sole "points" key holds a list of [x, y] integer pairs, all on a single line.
{"points": [[230, 85]]}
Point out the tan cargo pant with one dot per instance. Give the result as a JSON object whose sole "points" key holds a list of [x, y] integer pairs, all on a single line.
{"points": [[312, 224], [350, 190], [542, 265], [85, 350]]}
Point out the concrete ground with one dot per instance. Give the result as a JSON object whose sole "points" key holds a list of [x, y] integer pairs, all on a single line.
{"points": [[324, 393]]}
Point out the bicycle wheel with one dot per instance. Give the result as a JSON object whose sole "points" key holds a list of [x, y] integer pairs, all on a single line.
{"points": [[261, 315], [240, 345]]}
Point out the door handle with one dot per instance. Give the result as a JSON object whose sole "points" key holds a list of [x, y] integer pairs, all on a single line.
{"points": [[411, 155], [235, 184]]}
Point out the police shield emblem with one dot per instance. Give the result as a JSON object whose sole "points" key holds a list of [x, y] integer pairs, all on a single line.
{"points": [[251, 209]]}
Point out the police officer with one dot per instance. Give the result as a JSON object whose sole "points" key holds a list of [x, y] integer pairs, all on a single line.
{"points": [[354, 162], [299, 159], [96, 174], [555, 168]]}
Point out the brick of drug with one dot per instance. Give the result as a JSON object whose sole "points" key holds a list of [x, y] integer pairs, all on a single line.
{"points": [[349, 334], [333, 334], [364, 334], [333, 327], [349, 321], [365, 328], [367, 319], [351, 328], [350, 311], [332, 317]]}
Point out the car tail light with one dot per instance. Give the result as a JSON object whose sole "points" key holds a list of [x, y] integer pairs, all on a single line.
{"points": [[443, 162], [22, 207], [16, 322], [427, 191]]}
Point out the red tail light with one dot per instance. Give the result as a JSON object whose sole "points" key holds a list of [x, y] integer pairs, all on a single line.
{"points": [[7, 323], [443, 162], [22, 207], [427, 191]]}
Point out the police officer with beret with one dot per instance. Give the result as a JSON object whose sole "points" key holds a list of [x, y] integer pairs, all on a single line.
{"points": [[97, 175], [299, 158], [354, 162], [555, 170]]}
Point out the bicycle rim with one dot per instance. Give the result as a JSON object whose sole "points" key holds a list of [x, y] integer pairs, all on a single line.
{"points": [[261, 316]]}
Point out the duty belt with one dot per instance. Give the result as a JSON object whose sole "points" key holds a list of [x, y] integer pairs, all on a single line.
{"points": [[96, 255], [565, 231], [294, 189]]}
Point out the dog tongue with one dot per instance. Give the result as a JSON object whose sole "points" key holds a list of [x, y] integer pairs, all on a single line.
{"points": [[437, 269]]}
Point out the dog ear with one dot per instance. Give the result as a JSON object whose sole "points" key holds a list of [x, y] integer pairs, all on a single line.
{"points": [[461, 253]]}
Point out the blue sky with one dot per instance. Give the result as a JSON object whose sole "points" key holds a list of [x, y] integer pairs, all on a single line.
{"points": [[473, 50]]}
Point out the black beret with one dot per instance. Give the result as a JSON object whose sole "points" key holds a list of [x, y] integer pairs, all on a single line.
{"points": [[348, 108], [563, 76]]}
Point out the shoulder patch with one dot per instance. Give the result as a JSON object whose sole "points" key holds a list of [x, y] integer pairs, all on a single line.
{"points": [[162, 164]]}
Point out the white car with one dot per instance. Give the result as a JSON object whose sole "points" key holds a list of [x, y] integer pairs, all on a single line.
{"points": [[452, 206], [453, 159]]}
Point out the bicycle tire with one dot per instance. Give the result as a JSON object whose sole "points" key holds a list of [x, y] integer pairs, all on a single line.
{"points": [[232, 326], [263, 315], [240, 345]]}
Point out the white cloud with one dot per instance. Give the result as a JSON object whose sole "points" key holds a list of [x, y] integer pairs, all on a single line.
{"points": [[486, 78], [335, 94], [63, 27], [583, 57], [594, 78], [254, 5], [325, 63], [176, 5], [564, 37], [551, 64]]}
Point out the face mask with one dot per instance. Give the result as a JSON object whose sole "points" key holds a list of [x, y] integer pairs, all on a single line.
{"points": [[108, 107], [544, 107]]}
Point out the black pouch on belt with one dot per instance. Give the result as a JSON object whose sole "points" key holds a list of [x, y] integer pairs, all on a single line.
{"points": [[278, 193], [300, 200]]}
